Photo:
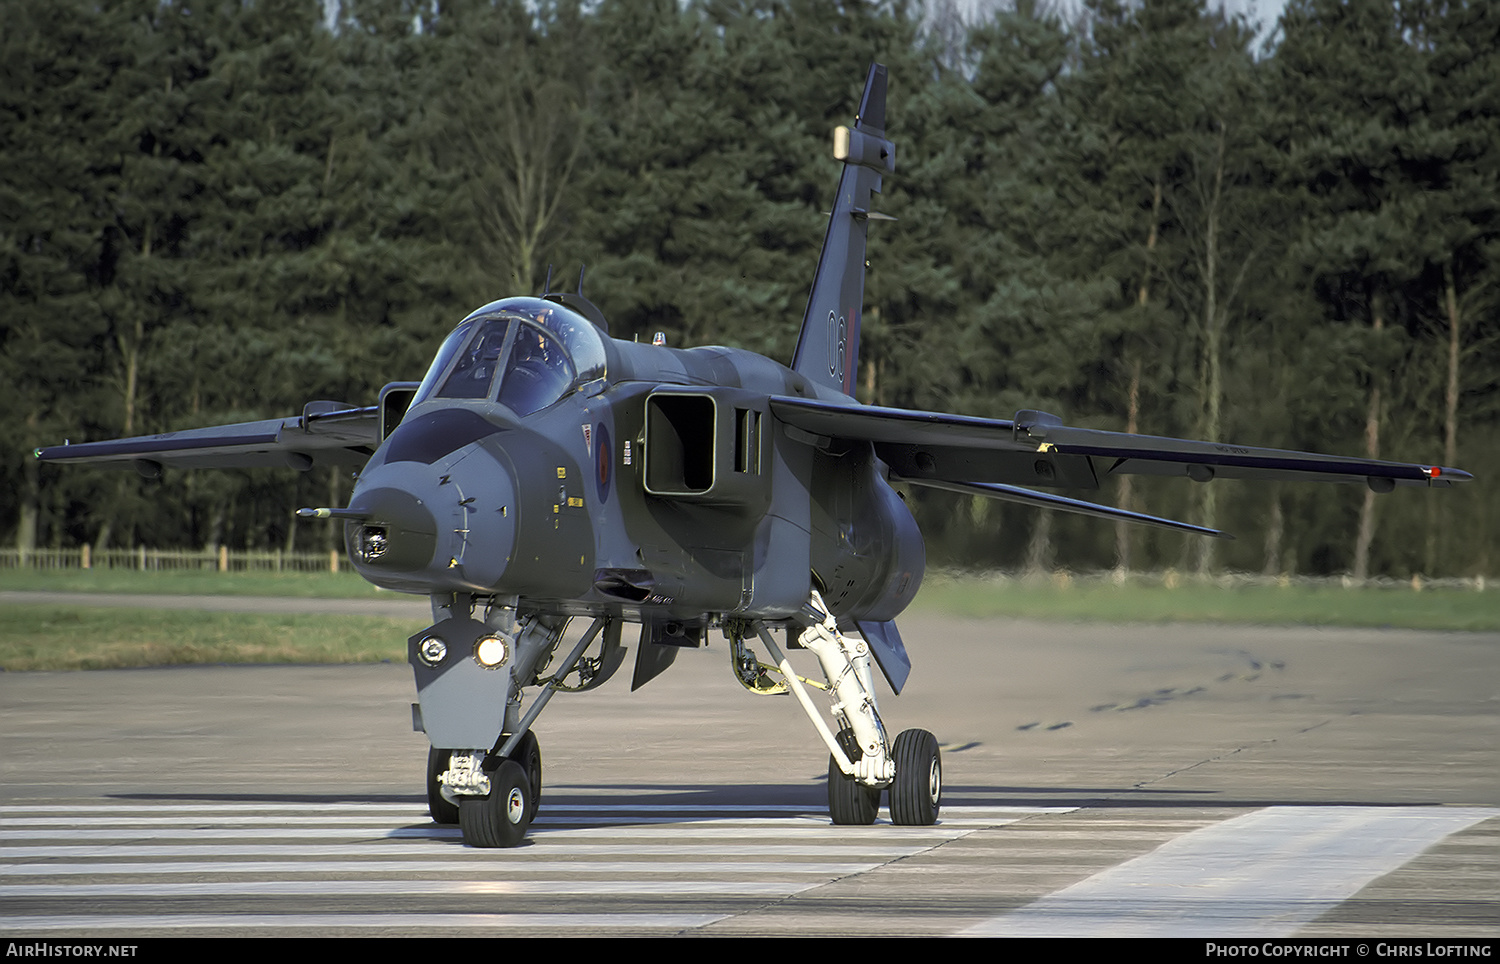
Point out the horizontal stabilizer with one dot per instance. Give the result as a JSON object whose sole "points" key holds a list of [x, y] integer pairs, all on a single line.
{"points": [[1042, 500]]}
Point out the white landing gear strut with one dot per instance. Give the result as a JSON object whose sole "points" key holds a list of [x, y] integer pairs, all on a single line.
{"points": [[861, 761]]}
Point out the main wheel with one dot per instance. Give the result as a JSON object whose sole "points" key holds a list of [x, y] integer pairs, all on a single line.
{"points": [[917, 792], [500, 819], [528, 753], [442, 809], [850, 803]]}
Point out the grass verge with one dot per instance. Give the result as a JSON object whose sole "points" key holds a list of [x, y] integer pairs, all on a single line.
{"points": [[979, 597], [192, 582], [47, 638], [39, 637]]}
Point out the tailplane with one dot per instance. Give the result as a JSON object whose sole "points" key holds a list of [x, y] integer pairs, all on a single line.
{"points": [[828, 347]]}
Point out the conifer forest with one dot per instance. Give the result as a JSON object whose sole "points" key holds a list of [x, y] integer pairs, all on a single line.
{"points": [[1137, 215]]}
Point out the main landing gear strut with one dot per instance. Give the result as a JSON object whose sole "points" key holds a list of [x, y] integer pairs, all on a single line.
{"points": [[861, 761]]}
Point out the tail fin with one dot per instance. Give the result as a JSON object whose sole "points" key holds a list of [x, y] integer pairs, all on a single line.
{"points": [[828, 347]]}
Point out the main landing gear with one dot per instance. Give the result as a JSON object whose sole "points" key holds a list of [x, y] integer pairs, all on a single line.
{"points": [[861, 762]]}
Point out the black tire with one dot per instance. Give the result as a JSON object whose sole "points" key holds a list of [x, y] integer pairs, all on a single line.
{"points": [[501, 818], [917, 792], [442, 809], [528, 754], [850, 803]]}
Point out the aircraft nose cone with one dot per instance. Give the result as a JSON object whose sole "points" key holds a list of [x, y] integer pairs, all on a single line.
{"points": [[398, 535], [439, 527]]}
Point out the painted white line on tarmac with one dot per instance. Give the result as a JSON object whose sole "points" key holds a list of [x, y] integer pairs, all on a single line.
{"points": [[460, 854], [547, 867], [1263, 874], [447, 922], [687, 830], [217, 819], [400, 811], [386, 888]]}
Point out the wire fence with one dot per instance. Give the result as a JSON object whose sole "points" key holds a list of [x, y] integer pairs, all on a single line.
{"points": [[220, 559], [223, 559]]}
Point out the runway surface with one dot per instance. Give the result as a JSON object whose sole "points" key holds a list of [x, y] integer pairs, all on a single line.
{"points": [[1099, 780]]}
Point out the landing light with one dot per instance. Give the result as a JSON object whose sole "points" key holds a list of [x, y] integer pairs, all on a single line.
{"points": [[491, 652], [432, 650]]}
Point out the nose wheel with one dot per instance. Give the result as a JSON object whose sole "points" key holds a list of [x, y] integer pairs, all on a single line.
{"points": [[501, 818], [528, 754], [443, 810]]}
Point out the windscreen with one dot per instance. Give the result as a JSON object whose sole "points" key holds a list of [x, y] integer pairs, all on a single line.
{"points": [[476, 366], [537, 373], [525, 353]]}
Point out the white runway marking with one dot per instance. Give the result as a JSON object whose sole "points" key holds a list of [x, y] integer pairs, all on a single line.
{"points": [[406, 888], [875, 848], [663, 870], [1264, 874], [142, 855], [321, 922], [458, 867]]}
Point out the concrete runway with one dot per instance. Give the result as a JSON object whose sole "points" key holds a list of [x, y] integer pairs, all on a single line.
{"points": [[1180, 781]]}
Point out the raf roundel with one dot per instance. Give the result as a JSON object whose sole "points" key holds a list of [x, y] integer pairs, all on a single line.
{"points": [[603, 456]]}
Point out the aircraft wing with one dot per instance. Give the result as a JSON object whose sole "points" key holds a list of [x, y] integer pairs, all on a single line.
{"points": [[929, 445], [994, 457], [326, 433]]}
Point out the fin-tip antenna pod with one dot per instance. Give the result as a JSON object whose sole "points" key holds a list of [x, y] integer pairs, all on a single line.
{"points": [[828, 346]]}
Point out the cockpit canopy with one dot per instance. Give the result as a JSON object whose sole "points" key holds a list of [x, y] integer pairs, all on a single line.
{"points": [[524, 353]]}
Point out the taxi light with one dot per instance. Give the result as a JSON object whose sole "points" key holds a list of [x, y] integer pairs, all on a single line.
{"points": [[491, 652]]}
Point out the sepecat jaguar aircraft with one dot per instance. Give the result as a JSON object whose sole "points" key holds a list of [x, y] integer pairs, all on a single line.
{"points": [[543, 471]]}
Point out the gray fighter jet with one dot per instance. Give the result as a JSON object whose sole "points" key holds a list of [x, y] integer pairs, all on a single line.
{"points": [[543, 471]]}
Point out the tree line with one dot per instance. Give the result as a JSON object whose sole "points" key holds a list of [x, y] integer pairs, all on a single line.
{"points": [[1129, 214]]}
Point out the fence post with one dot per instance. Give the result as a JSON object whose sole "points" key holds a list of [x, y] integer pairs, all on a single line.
{"points": [[223, 558], [84, 560], [333, 560]]}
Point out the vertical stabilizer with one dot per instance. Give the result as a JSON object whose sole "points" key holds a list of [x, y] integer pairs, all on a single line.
{"points": [[828, 348]]}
